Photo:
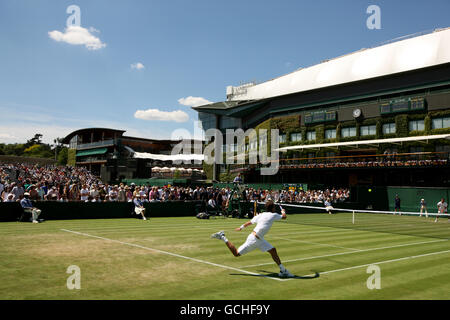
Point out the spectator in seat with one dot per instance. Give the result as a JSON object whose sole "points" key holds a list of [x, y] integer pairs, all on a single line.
{"points": [[10, 198], [27, 206], [212, 203]]}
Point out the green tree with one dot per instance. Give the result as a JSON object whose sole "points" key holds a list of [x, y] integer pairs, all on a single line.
{"points": [[15, 149], [38, 151], [63, 156], [37, 139]]}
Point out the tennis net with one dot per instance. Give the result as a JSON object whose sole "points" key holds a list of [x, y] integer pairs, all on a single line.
{"points": [[432, 224]]}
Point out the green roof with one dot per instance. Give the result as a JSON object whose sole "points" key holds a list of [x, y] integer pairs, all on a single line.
{"points": [[231, 108], [91, 152]]}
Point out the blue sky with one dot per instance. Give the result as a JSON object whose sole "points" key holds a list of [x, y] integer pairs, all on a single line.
{"points": [[185, 49]]}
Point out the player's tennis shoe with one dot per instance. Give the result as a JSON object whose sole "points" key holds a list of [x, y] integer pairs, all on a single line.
{"points": [[285, 274], [218, 235]]}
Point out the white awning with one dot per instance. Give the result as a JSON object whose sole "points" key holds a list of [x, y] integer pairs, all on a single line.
{"points": [[168, 157], [400, 56], [365, 142]]}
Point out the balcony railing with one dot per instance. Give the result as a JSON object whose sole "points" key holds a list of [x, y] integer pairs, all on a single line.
{"points": [[415, 159], [103, 143], [91, 159]]}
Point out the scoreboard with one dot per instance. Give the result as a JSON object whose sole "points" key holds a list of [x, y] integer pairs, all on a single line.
{"points": [[402, 105], [320, 116]]}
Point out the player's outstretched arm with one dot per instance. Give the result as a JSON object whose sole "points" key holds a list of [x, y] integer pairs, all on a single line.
{"points": [[243, 226], [283, 214]]}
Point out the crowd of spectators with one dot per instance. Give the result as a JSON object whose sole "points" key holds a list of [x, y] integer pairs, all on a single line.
{"points": [[43, 182], [365, 164], [311, 196], [65, 183]]}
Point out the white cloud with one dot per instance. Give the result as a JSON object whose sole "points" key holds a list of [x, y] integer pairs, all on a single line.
{"points": [[21, 132], [7, 137], [137, 66], [92, 29], [158, 115], [76, 35], [193, 101]]}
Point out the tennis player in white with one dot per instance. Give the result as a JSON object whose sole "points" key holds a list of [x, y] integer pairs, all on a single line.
{"points": [[256, 239]]}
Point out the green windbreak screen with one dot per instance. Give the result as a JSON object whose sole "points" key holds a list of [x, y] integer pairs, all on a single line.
{"points": [[92, 152]]}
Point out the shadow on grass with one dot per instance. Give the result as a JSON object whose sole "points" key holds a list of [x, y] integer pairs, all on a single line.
{"points": [[275, 275]]}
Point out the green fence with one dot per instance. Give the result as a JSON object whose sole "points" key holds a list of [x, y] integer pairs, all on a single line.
{"points": [[264, 186], [369, 197], [376, 198], [157, 182], [410, 197], [52, 210]]}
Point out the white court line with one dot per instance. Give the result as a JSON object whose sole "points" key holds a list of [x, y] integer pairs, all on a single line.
{"points": [[174, 255], [343, 253], [381, 262], [316, 243]]}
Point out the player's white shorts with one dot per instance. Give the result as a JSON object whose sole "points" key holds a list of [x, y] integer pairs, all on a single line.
{"points": [[252, 243], [138, 210]]}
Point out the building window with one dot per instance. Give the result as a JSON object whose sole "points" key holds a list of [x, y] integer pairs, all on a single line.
{"points": [[229, 148], [311, 135], [388, 128], [368, 130], [229, 122], [208, 121], [73, 142], [348, 132], [415, 149], [296, 136], [416, 125], [440, 123], [330, 156], [330, 134], [263, 141], [253, 145], [282, 138], [443, 151]]}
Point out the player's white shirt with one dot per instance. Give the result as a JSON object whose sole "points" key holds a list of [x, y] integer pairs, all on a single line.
{"points": [[442, 207], [264, 222]]}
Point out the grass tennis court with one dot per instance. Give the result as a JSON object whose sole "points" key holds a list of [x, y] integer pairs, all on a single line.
{"points": [[174, 258]]}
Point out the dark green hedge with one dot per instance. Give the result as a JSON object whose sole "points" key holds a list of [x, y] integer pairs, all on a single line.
{"points": [[92, 210]]}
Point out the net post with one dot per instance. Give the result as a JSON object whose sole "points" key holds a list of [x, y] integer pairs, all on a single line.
{"points": [[353, 217]]}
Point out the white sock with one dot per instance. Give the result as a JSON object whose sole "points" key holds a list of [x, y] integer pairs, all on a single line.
{"points": [[282, 268], [224, 239]]}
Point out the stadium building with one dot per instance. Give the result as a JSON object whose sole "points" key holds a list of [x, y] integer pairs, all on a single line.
{"points": [[110, 154], [378, 116]]}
